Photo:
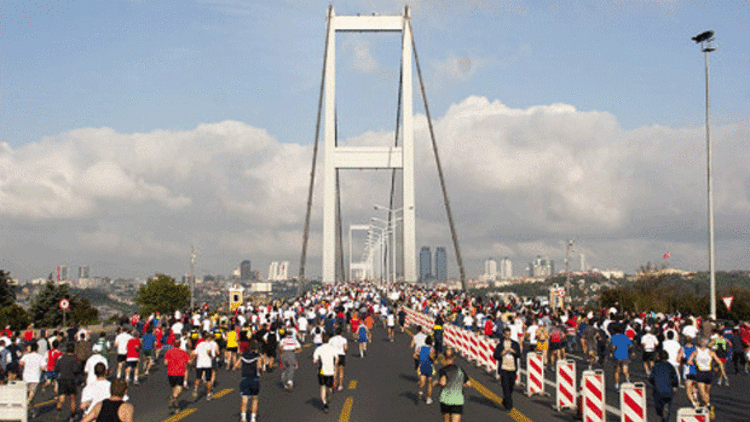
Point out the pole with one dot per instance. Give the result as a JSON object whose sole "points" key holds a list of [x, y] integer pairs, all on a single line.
{"points": [[192, 277], [711, 263]]}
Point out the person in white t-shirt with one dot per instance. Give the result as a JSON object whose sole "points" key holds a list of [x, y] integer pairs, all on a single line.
{"points": [[339, 343], [32, 363], [649, 343], [416, 343], [390, 322], [121, 344], [302, 326], [96, 391], [90, 366], [325, 356], [204, 355], [672, 347]]}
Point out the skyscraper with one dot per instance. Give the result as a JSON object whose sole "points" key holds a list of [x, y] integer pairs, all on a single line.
{"points": [[441, 264], [246, 270], [490, 269], [506, 269], [425, 264]]}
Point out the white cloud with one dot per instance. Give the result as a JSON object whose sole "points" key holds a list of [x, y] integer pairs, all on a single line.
{"points": [[520, 182], [362, 58]]}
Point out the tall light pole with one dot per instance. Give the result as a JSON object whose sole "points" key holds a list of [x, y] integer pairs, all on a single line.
{"points": [[192, 277], [704, 39]]}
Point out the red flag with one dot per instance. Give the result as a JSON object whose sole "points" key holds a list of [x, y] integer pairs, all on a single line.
{"points": [[667, 255]]}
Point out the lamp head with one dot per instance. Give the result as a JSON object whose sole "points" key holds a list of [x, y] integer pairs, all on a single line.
{"points": [[704, 36]]}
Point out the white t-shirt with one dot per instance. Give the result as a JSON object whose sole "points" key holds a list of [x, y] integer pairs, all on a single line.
{"points": [[177, 328], [531, 331], [121, 341], [649, 342], [419, 340], [468, 321], [90, 364], [302, 323], [205, 351], [391, 321], [690, 331], [338, 343], [95, 392], [673, 348], [32, 366], [326, 355], [318, 334]]}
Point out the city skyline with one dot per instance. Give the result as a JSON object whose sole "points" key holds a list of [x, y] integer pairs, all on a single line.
{"points": [[131, 130]]}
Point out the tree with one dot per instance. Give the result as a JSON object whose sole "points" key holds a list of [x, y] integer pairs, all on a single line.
{"points": [[15, 316], [162, 294], [46, 312], [7, 291]]}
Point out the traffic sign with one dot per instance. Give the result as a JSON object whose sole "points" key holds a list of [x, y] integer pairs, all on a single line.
{"points": [[728, 302], [64, 304]]}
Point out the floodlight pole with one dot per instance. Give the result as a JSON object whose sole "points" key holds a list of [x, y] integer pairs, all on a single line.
{"points": [[707, 48]]}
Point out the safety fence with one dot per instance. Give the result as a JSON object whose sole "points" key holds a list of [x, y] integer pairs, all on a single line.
{"points": [[589, 401]]}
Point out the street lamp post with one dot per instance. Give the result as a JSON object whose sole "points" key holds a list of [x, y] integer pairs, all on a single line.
{"points": [[704, 39]]}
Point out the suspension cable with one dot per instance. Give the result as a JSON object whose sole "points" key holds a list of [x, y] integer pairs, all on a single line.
{"points": [[454, 235], [306, 231]]}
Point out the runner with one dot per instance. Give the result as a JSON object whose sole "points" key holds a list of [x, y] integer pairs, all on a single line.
{"points": [[230, 355], [542, 342], [177, 361], [416, 343], [89, 367], [649, 342], [51, 375], [426, 357], [97, 390], [391, 325], [133, 357], [250, 382], [453, 380], [341, 345], [702, 358], [665, 380], [149, 349], [325, 356], [68, 366], [121, 344], [32, 364], [689, 370], [288, 347], [621, 353], [363, 337], [204, 355], [113, 408]]}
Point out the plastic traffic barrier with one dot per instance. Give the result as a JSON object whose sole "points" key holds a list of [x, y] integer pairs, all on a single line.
{"points": [[534, 373], [633, 402], [13, 401], [565, 385], [592, 388], [689, 414]]}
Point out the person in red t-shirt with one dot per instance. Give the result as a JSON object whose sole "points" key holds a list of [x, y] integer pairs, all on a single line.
{"points": [[133, 356], [158, 345], [354, 323], [176, 360], [52, 356]]}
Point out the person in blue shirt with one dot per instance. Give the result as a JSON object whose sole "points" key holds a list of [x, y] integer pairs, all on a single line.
{"points": [[426, 356], [665, 380], [148, 341], [621, 353]]}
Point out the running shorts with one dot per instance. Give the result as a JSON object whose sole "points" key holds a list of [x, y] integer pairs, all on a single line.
{"points": [[176, 380], [249, 387], [451, 409]]}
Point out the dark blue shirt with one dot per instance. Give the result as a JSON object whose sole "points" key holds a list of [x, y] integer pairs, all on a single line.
{"points": [[664, 379], [148, 341]]}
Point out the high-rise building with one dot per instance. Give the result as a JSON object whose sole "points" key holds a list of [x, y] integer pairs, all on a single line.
{"points": [[83, 272], [273, 271], [506, 269], [246, 270], [541, 267], [425, 264], [490, 270], [583, 263], [441, 264], [62, 272]]}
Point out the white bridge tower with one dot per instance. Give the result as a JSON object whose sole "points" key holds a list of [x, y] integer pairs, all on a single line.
{"points": [[387, 157]]}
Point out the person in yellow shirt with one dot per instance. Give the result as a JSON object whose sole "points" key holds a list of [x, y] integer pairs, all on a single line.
{"points": [[230, 356]]}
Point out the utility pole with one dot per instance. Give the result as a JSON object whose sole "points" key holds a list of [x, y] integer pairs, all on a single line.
{"points": [[192, 277]]}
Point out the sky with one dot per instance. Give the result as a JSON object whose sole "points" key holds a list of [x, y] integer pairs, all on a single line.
{"points": [[133, 129]]}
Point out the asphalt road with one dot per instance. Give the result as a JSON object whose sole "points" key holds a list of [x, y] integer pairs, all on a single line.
{"points": [[381, 387]]}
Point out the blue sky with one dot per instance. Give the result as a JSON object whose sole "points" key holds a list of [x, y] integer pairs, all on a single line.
{"points": [[74, 75]]}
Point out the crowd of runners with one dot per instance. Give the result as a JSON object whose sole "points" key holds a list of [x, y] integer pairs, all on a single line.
{"points": [[256, 339]]}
